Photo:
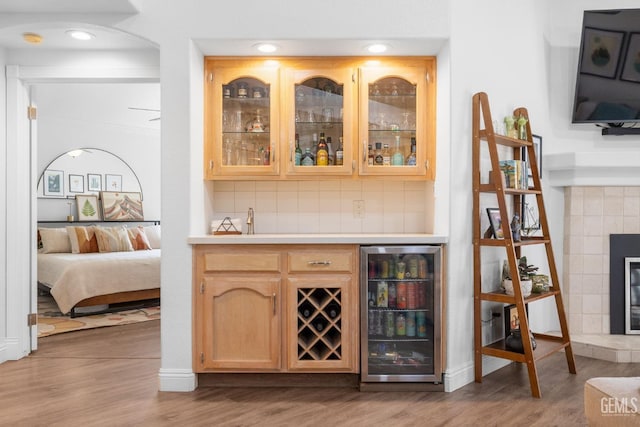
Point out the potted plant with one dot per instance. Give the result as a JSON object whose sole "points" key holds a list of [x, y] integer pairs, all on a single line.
{"points": [[525, 272]]}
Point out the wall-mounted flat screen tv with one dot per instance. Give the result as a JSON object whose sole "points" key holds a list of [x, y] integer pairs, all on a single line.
{"points": [[608, 82]]}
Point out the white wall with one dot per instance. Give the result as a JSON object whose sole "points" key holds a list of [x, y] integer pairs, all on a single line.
{"points": [[73, 115], [3, 219]]}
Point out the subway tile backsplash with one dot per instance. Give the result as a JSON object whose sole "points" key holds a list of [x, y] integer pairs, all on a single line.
{"points": [[327, 206]]}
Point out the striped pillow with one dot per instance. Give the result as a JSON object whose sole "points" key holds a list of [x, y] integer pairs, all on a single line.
{"points": [[139, 239], [113, 239], [83, 239]]}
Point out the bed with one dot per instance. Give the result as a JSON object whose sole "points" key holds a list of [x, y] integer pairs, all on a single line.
{"points": [[90, 281]]}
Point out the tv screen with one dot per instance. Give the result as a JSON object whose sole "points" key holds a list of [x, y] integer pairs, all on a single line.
{"points": [[608, 82]]}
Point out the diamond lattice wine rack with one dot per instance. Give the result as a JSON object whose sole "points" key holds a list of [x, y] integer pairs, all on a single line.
{"points": [[319, 324]]}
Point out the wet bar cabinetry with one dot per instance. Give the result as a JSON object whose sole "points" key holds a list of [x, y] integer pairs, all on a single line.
{"points": [[275, 308], [378, 114]]}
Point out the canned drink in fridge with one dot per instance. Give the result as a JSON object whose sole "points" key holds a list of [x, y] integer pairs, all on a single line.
{"points": [[379, 324], [422, 295], [412, 297], [392, 295], [413, 268], [422, 268], [401, 324], [421, 324], [371, 329], [411, 324], [401, 295], [389, 324]]}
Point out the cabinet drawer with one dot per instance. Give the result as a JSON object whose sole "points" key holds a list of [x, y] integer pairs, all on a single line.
{"points": [[321, 261], [242, 262]]}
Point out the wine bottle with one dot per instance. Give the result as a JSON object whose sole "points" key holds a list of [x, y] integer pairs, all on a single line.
{"points": [[386, 155], [332, 155], [306, 309], [333, 310], [340, 153], [411, 158], [319, 323], [377, 157], [370, 156], [298, 152], [322, 155]]}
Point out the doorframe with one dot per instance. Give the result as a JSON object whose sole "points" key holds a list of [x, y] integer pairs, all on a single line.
{"points": [[22, 178]]}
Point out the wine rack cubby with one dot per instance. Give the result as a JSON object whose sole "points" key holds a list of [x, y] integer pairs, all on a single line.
{"points": [[319, 323]]}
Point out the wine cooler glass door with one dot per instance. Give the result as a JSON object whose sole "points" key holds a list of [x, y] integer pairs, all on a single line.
{"points": [[401, 313]]}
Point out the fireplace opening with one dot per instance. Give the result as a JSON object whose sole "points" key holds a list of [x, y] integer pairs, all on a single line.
{"points": [[624, 283], [632, 295]]}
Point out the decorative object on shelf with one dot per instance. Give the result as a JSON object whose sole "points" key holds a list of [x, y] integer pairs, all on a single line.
{"points": [[540, 283], [510, 127], [530, 218], [87, 207], [525, 272], [226, 226], [495, 223], [70, 216], [515, 228], [522, 128], [121, 206], [513, 335]]}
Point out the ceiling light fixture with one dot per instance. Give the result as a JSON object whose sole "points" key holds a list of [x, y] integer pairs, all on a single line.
{"points": [[377, 48], [266, 47], [32, 38], [80, 35]]}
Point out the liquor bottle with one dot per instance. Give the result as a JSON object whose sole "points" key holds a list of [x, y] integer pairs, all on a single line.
{"points": [[307, 159], [377, 157], [322, 154], [314, 146], [386, 155], [397, 159], [340, 153], [333, 310], [370, 156], [411, 158], [332, 155], [298, 153]]}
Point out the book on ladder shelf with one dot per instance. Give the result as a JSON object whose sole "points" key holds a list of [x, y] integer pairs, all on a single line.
{"points": [[509, 195]]}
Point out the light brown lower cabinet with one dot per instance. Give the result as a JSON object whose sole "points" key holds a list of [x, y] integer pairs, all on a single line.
{"points": [[276, 308]]}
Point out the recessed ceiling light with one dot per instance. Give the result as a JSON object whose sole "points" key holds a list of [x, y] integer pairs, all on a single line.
{"points": [[377, 48], [266, 47], [80, 35], [32, 38]]}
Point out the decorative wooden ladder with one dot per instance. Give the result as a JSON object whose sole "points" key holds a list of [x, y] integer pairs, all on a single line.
{"points": [[546, 344]]}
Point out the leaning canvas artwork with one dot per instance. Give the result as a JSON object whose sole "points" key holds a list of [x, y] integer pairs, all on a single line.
{"points": [[121, 206]]}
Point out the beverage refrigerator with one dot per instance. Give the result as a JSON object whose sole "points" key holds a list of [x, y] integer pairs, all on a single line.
{"points": [[401, 323]]}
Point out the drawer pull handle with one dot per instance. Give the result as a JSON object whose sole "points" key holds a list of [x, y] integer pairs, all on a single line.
{"points": [[319, 263], [273, 297]]}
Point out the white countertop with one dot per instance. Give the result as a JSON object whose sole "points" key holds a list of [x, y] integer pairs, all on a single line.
{"points": [[337, 238]]}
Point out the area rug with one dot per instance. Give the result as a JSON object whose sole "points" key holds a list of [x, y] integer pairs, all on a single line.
{"points": [[51, 321]]}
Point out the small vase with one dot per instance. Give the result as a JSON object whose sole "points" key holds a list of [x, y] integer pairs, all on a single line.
{"points": [[514, 341]]}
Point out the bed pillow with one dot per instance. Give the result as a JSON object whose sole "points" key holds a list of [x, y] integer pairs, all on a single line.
{"points": [[138, 238], [154, 235], [54, 240], [113, 239], [83, 239]]}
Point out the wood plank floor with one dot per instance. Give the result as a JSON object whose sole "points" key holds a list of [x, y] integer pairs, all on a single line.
{"points": [[108, 377]]}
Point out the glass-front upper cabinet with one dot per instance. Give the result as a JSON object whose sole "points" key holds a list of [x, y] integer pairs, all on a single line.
{"points": [[320, 112], [397, 121], [241, 121]]}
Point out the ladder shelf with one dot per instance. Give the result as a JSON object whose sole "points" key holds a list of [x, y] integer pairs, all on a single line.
{"points": [[546, 344]]}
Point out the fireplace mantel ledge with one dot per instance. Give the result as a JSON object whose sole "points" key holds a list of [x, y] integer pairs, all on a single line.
{"points": [[595, 168]]}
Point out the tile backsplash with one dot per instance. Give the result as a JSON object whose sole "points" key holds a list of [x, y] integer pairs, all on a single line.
{"points": [[591, 215], [328, 206]]}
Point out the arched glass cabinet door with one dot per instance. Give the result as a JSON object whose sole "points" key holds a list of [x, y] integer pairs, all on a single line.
{"points": [[396, 134], [320, 102], [242, 122]]}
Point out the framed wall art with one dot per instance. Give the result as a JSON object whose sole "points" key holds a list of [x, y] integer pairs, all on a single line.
{"points": [[94, 182], [601, 52], [87, 207], [76, 183], [121, 206], [53, 183], [495, 223], [112, 182], [511, 318], [631, 66]]}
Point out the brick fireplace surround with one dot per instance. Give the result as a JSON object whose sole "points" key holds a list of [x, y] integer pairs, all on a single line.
{"points": [[592, 213]]}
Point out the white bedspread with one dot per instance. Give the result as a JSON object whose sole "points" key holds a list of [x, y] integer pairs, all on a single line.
{"points": [[74, 277]]}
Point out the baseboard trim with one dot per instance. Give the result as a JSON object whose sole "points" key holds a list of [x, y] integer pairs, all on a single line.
{"points": [[466, 375], [3, 352], [180, 380]]}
